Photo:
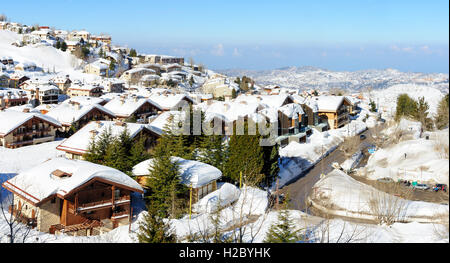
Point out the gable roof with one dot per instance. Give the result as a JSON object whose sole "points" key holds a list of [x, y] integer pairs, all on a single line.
{"points": [[67, 113], [39, 182], [79, 141], [124, 107], [10, 120], [193, 173]]}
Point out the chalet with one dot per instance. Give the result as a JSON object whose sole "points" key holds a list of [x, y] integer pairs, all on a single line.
{"points": [[74, 113], [26, 128], [333, 109], [219, 87], [170, 68], [133, 107], [171, 101], [43, 93], [78, 144], [25, 66], [82, 34], [112, 85], [201, 177], [353, 108], [99, 67], [155, 67], [73, 197], [63, 83], [4, 80], [6, 60], [16, 79], [72, 45], [134, 75], [12, 97], [85, 90], [161, 59], [149, 80], [102, 38]]}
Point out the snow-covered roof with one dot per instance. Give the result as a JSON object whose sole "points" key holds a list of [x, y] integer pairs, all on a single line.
{"points": [[169, 101], [292, 110], [274, 101], [157, 125], [69, 112], [127, 106], [38, 183], [228, 111], [328, 103], [10, 120], [193, 173], [79, 142]]}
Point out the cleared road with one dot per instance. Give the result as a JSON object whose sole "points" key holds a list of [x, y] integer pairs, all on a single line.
{"points": [[299, 190]]}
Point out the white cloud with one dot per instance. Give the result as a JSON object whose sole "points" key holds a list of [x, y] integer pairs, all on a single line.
{"points": [[218, 50], [236, 53]]}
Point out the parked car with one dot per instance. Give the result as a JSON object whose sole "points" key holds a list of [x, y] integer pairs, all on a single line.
{"points": [[385, 180], [362, 137], [438, 187], [421, 186]]}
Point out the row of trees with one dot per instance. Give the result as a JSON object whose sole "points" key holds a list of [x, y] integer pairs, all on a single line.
{"points": [[167, 197], [417, 110], [120, 152]]}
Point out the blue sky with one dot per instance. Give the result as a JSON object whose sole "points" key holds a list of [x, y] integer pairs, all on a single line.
{"points": [[338, 35]]}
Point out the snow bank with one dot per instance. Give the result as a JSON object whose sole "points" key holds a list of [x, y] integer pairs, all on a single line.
{"points": [[338, 193], [222, 197], [422, 162]]}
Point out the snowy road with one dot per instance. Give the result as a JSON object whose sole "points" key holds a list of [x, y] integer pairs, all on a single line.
{"points": [[299, 190]]}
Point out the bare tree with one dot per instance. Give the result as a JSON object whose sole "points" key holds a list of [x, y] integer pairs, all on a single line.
{"points": [[389, 208], [19, 226]]}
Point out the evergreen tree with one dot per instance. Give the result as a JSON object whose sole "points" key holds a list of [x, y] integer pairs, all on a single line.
{"points": [[138, 152], [164, 182], [373, 106], [116, 156], [283, 231], [442, 118], [153, 229], [213, 151], [406, 107], [64, 46], [244, 155], [422, 114], [271, 167], [58, 44], [133, 53], [233, 94]]}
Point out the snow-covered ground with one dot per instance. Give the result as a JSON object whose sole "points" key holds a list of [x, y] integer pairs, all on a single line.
{"points": [[13, 161], [339, 194]]}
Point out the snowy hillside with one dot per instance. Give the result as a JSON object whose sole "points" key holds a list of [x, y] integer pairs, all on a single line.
{"points": [[43, 56], [316, 78]]}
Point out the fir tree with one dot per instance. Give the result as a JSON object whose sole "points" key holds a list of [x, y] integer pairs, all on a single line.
{"points": [[153, 229], [271, 167], [283, 231], [244, 155], [406, 107], [373, 106], [442, 118], [64, 46], [58, 44]]}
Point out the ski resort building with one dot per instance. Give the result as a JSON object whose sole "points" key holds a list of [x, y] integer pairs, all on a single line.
{"points": [[73, 197]]}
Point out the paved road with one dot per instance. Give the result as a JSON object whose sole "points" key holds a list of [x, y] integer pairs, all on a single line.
{"points": [[299, 190]]}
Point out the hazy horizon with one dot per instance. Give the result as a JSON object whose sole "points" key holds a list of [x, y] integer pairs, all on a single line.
{"points": [[411, 36]]}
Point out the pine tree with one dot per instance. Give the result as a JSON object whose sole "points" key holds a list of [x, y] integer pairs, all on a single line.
{"points": [[164, 181], [422, 114], [442, 118], [373, 106], [138, 152], [153, 229], [406, 107], [271, 167], [244, 155], [64, 46], [116, 156], [283, 231], [213, 151], [58, 44]]}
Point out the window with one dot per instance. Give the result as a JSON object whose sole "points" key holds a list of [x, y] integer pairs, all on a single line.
{"points": [[116, 194], [53, 200]]}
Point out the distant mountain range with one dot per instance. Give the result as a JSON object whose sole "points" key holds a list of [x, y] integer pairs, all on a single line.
{"points": [[308, 77]]}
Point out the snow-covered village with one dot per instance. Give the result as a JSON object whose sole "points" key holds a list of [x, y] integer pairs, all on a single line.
{"points": [[101, 142]]}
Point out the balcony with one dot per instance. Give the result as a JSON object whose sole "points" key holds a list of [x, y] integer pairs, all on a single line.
{"points": [[30, 131], [102, 204]]}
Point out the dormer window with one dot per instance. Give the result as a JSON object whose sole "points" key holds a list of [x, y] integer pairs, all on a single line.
{"points": [[61, 174]]}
